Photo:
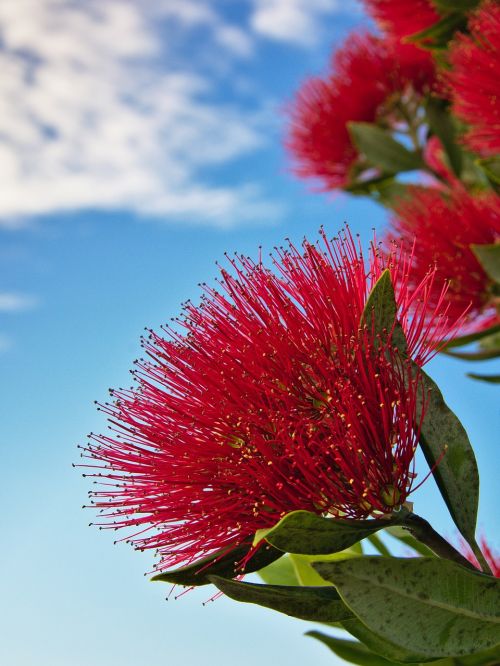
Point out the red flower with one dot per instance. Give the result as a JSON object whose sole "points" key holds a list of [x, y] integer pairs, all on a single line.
{"points": [[490, 556], [401, 18], [368, 76], [473, 80], [445, 226], [273, 398]]}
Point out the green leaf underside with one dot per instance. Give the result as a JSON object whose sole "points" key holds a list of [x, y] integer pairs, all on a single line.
{"points": [[441, 124], [382, 150], [456, 5], [483, 355], [403, 536], [473, 337], [306, 533], [315, 604], [491, 379], [381, 646], [455, 472], [280, 572], [225, 563], [489, 258], [352, 651], [432, 607]]}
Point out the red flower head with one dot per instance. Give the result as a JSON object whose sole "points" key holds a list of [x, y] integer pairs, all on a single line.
{"points": [[273, 398], [368, 76], [400, 18], [445, 226], [473, 81], [492, 557]]}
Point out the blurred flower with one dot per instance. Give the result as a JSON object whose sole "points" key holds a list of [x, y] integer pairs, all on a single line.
{"points": [[401, 18], [369, 79], [492, 557], [473, 79], [273, 397], [435, 156], [445, 225]]}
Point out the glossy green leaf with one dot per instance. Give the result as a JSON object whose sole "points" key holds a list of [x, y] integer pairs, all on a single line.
{"points": [[316, 604], [441, 123], [489, 258], [439, 34], [306, 533], [226, 563], [382, 150], [351, 651], [380, 311], [280, 572], [473, 337], [449, 454], [429, 606], [491, 379]]}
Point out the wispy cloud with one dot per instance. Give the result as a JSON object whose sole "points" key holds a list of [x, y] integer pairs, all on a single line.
{"points": [[13, 302], [95, 112], [295, 21]]}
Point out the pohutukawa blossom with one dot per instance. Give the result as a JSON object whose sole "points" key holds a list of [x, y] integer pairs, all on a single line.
{"points": [[368, 78], [473, 80], [268, 397], [445, 225], [401, 18]]}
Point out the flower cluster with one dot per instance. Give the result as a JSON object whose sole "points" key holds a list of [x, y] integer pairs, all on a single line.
{"points": [[276, 396], [446, 224], [473, 79], [401, 18], [369, 79]]}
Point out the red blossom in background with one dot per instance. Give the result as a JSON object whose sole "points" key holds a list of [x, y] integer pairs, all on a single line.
{"points": [[474, 79], [445, 225], [401, 18], [368, 76], [492, 557], [272, 398]]}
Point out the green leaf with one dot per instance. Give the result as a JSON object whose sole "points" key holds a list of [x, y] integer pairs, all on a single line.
{"points": [[441, 123], [352, 651], [382, 150], [483, 355], [489, 258], [455, 472], [380, 311], [316, 604], [305, 533], [490, 341], [433, 607], [491, 379], [226, 562], [280, 572], [456, 5], [379, 645], [473, 337], [305, 573], [491, 167], [439, 34], [407, 539]]}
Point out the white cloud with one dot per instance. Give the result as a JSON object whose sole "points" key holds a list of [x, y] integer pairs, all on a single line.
{"points": [[94, 114], [295, 21], [11, 302]]}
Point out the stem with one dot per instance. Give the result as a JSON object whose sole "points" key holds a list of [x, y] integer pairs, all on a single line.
{"points": [[480, 558], [423, 531]]}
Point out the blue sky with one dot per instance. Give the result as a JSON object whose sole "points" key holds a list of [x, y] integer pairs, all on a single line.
{"points": [[138, 142]]}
